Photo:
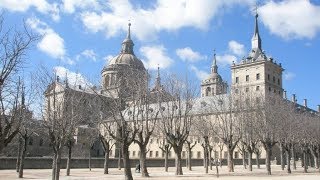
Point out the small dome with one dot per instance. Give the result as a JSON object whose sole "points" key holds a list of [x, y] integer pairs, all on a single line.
{"points": [[127, 59]]}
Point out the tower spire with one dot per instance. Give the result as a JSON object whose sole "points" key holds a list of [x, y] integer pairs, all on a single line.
{"points": [[127, 44], [214, 68], [158, 79], [256, 40]]}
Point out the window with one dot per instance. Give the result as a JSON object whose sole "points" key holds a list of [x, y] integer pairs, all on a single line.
{"points": [[247, 89], [278, 81], [133, 153], [258, 76], [257, 88], [225, 154], [274, 79], [151, 141], [30, 141], [269, 88], [157, 153], [274, 91], [150, 154], [236, 155], [247, 78], [237, 79], [208, 91], [41, 142], [268, 77], [199, 154]]}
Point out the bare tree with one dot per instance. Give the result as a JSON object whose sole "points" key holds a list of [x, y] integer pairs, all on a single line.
{"points": [[189, 146], [107, 143], [14, 46], [176, 116], [225, 124], [165, 148], [146, 122]]}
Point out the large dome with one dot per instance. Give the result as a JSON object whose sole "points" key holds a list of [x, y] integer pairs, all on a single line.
{"points": [[127, 59]]}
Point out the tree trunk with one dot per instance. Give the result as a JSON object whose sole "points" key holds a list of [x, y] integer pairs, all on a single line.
{"points": [[126, 162], [23, 154], [178, 164], [69, 158], [90, 158], [281, 156], [166, 160], [143, 165], [58, 163], [119, 159], [258, 160], [19, 154], [54, 165], [244, 160], [305, 164], [189, 160], [210, 158], [106, 161], [268, 159], [288, 156], [294, 157], [206, 160], [230, 160], [250, 160]]}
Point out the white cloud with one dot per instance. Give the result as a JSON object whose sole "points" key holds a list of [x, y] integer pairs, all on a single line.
{"points": [[165, 15], [107, 58], [74, 78], [226, 59], [41, 6], [69, 6], [51, 42], [155, 56], [201, 75], [236, 48], [88, 54], [187, 54], [288, 76], [291, 19]]}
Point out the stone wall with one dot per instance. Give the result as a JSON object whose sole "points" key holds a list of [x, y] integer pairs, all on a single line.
{"points": [[46, 162]]}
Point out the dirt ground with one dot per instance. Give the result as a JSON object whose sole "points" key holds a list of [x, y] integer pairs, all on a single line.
{"points": [[158, 173]]}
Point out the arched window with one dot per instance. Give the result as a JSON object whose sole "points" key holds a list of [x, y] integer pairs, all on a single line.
{"points": [[107, 79], [111, 79], [208, 91]]}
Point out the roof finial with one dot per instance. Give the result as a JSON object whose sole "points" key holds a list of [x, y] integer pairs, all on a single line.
{"points": [[256, 40], [129, 33], [214, 68]]}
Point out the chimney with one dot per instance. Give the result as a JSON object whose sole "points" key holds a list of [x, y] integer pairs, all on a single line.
{"points": [[319, 108], [285, 94], [305, 103], [294, 98]]}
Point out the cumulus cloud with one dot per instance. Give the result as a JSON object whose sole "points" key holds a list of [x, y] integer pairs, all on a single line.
{"points": [[226, 59], [291, 19], [187, 54], [288, 76], [87, 54], [69, 6], [201, 75], [236, 48], [155, 56], [74, 78], [51, 42], [41, 6], [164, 15]]}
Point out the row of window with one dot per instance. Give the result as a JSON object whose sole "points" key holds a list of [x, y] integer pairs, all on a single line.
{"points": [[258, 78], [156, 154]]}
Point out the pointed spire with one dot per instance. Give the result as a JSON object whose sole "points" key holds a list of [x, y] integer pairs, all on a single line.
{"points": [[214, 68], [127, 44], [129, 31], [158, 79], [256, 40]]}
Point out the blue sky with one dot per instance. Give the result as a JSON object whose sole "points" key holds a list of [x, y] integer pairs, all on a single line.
{"points": [[79, 36]]}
